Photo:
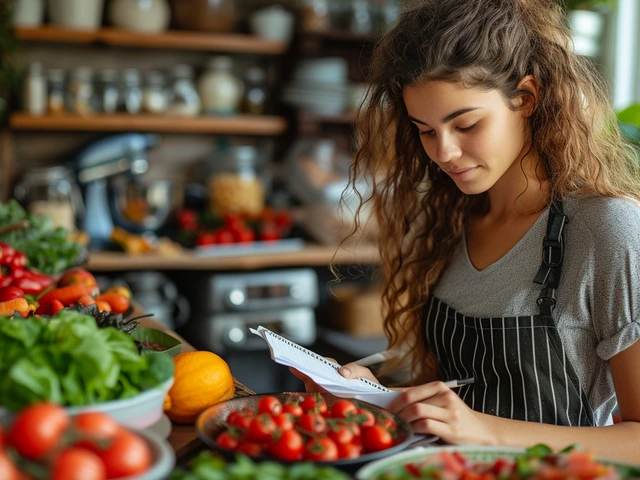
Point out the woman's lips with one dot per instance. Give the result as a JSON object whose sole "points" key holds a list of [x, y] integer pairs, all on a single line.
{"points": [[462, 173]]}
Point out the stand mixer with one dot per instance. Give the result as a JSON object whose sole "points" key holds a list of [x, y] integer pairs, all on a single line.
{"points": [[114, 156]]}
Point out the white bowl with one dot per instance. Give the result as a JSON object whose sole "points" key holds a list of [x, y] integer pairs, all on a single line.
{"points": [[273, 23], [139, 412]]}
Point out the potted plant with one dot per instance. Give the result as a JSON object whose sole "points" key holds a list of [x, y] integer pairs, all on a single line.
{"points": [[587, 20], [8, 57]]}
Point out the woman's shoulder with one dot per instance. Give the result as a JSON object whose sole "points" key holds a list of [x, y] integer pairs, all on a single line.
{"points": [[604, 218]]}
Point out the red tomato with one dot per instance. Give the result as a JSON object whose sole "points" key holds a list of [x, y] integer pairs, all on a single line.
{"points": [[244, 235], [188, 219], [206, 238], [450, 463], [270, 405], [10, 293], [293, 408], [239, 419], [224, 236], [269, 233], [320, 449], [284, 421], [340, 434], [498, 468], [227, 441], [349, 450], [128, 454], [94, 425], [315, 404], [370, 421], [376, 438], [249, 448], [233, 221], [8, 470], [343, 409], [288, 447], [37, 429], [262, 428], [78, 464], [312, 423]]}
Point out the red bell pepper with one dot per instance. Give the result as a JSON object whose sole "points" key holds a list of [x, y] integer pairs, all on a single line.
{"points": [[31, 281], [10, 293], [6, 253]]}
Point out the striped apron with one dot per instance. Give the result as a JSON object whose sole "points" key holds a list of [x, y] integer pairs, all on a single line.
{"points": [[520, 366]]}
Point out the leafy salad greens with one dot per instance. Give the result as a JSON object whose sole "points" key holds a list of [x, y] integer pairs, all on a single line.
{"points": [[48, 249], [69, 360]]}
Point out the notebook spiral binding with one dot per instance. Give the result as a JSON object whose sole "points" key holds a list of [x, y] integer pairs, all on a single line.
{"points": [[323, 360]]}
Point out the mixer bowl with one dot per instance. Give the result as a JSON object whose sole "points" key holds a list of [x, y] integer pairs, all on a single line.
{"points": [[142, 206]]}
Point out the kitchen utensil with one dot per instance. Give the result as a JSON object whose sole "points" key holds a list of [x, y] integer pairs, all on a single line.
{"points": [[211, 423]]}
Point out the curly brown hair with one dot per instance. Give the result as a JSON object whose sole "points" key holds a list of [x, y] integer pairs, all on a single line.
{"points": [[486, 44]]}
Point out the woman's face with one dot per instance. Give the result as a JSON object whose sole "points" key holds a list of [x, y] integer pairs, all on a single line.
{"points": [[470, 133]]}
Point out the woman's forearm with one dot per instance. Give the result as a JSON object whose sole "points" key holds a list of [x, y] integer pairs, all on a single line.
{"points": [[617, 442]]}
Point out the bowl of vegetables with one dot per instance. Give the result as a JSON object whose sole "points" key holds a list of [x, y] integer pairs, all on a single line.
{"points": [[493, 463], [70, 361]]}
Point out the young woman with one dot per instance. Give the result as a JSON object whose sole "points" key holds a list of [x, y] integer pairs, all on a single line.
{"points": [[511, 246]]}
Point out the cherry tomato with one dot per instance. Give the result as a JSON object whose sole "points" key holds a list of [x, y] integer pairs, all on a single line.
{"points": [[315, 404], [312, 423], [239, 419], [249, 448], [343, 409], [262, 428], [288, 447], [37, 429], [128, 454], [293, 408], [284, 421], [270, 405], [320, 449], [8, 470], [349, 450], [188, 219], [233, 221], [387, 422], [376, 438], [206, 238], [340, 434], [244, 235], [370, 421], [78, 464], [224, 236], [269, 233], [227, 441]]}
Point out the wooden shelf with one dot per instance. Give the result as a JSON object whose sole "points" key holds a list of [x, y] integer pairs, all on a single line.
{"points": [[123, 122], [312, 255], [172, 39], [345, 118]]}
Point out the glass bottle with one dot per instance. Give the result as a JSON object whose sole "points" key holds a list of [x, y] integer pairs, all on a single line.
{"points": [[107, 93], [35, 90], [55, 91], [255, 93], [183, 99], [80, 93], [154, 95], [132, 91], [219, 89]]}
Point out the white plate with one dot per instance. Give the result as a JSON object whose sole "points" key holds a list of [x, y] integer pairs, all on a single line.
{"points": [[476, 453]]}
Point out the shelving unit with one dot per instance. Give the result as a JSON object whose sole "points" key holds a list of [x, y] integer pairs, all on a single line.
{"points": [[311, 255], [122, 122], [176, 39]]}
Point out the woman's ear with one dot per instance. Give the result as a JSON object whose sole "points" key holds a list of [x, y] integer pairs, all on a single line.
{"points": [[528, 100]]}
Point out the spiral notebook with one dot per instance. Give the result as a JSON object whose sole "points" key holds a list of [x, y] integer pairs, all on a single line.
{"points": [[322, 371]]}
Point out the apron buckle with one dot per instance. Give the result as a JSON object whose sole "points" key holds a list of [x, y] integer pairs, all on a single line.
{"points": [[546, 304], [553, 252]]}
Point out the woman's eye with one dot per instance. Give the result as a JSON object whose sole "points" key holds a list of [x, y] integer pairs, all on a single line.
{"points": [[467, 129], [428, 133]]}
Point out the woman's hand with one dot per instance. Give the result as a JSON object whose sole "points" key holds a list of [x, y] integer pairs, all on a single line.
{"points": [[350, 370], [435, 409]]}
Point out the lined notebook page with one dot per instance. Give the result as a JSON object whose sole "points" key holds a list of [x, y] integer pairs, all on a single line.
{"points": [[322, 371]]}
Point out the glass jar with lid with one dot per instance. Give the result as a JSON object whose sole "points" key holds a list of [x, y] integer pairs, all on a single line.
{"points": [[132, 91], [52, 192], [219, 88], [237, 180], [80, 95], [255, 93], [107, 93], [55, 91], [154, 95], [182, 96]]}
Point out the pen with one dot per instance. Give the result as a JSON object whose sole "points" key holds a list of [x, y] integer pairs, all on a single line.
{"points": [[376, 358], [460, 382]]}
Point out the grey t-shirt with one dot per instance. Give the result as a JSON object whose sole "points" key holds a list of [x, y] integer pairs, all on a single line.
{"points": [[598, 299]]}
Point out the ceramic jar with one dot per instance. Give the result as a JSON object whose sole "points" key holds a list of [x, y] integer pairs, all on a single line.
{"points": [[28, 13], [218, 16], [140, 15], [220, 90], [77, 14]]}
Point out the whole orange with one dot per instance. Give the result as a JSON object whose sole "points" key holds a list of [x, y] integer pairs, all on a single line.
{"points": [[201, 379]]}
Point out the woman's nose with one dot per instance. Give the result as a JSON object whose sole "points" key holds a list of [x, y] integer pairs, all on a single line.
{"points": [[447, 149]]}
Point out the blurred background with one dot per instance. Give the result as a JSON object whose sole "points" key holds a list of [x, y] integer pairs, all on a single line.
{"points": [[200, 149]]}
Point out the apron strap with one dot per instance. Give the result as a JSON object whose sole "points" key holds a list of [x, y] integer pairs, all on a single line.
{"points": [[552, 254]]}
